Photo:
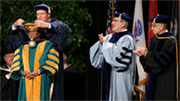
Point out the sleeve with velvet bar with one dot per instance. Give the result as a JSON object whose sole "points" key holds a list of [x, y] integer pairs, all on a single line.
{"points": [[49, 60], [142, 58], [157, 61], [17, 65], [119, 55]]}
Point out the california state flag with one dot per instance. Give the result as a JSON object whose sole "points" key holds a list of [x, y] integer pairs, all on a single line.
{"points": [[138, 32]]}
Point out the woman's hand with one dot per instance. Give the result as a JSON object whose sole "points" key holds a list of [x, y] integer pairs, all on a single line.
{"points": [[25, 73], [33, 74], [29, 75]]}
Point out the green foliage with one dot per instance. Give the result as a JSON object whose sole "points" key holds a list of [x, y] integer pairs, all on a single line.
{"points": [[73, 13]]}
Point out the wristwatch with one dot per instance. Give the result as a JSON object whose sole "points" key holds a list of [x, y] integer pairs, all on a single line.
{"points": [[38, 71]]}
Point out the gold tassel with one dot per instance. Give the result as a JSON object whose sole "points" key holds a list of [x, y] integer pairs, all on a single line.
{"points": [[120, 17], [154, 21], [49, 11]]}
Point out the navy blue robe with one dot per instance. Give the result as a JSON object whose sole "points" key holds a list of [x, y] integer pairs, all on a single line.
{"points": [[58, 35]]}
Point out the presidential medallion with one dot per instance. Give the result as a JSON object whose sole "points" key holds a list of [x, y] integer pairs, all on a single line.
{"points": [[32, 44]]}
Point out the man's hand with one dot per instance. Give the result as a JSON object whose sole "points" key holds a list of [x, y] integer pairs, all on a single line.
{"points": [[141, 51], [42, 24], [101, 38], [19, 22], [9, 74]]}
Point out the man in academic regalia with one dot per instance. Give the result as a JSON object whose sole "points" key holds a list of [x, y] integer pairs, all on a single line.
{"points": [[68, 67], [9, 87], [160, 61], [114, 54], [56, 31]]}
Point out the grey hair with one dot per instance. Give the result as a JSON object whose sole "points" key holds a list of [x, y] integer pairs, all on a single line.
{"points": [[126, 25], [165, 25]]}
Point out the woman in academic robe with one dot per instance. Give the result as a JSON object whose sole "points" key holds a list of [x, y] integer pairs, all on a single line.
{"points": [[35, 63]]}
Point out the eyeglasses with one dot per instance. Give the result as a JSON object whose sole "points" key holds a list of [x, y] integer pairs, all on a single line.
{"points": [[116, 20], [154, 25], [8, 56]]}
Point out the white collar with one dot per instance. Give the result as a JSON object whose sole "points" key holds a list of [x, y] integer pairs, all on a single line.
{"points": [[124, 30], [9, 69]]}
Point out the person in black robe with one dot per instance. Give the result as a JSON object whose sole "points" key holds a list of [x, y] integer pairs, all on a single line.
{"points": [[160, 60], [56, 31], [68, 67], [9, 87]]}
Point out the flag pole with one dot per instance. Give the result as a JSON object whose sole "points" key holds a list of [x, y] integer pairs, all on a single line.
{"points": [[112, 9], [179, 20]]}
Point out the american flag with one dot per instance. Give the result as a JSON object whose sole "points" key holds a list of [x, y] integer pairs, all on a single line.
{"points": [[112, 9]]}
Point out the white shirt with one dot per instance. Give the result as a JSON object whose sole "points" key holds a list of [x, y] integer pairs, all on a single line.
{"points": [[7, 76]]}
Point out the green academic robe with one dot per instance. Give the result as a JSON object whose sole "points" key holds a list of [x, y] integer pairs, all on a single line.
{"points": [[44, 57]]}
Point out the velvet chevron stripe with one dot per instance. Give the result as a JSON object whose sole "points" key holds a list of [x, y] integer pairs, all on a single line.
{"points": [[121, 62], [50, 69], [17, 51], [54, 51], [52, 64], [166, 59], [159, 62], [16, 58], [126, 57], [126, 49], [53, 58], [169, 53]]}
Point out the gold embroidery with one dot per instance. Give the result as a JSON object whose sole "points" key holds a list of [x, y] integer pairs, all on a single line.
{"points": [[40, 46], [26, 47]]}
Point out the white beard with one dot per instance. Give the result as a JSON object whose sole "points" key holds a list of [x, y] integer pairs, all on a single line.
{"points": [[116, 28]]}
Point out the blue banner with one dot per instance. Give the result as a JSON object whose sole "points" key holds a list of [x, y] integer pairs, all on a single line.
{"points": [[174, 19]]}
